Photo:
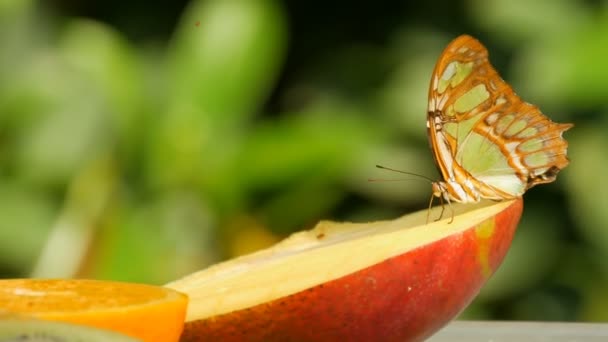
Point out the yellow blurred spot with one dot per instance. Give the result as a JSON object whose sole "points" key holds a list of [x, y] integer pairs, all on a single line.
{"points": [[251, 236]]}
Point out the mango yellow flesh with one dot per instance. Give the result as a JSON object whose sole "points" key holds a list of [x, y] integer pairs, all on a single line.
{"points": [[327, 252]]}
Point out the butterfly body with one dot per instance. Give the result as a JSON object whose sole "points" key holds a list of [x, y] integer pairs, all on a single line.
{"points": [[486, 141]]}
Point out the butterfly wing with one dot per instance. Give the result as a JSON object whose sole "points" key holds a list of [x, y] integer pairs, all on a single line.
{"points": [[483, 136]]}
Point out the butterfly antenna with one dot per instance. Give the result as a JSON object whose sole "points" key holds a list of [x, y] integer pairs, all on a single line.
{"points": [[405, 173], [431, 200], [392, 180]]}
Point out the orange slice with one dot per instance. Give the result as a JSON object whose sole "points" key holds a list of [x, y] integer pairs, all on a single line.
{"points": [[150, 313]]}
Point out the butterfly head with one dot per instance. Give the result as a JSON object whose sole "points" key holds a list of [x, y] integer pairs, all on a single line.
{"points": [[439, 189]]}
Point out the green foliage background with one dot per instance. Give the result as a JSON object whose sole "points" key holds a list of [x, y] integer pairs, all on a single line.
{"points": [[143, 150]]}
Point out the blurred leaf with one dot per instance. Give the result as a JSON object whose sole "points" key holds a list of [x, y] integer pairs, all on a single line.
{"points": [[538, 234], [404, 97], [18, 34], [300, 157], [62, 142], [155, 242], [27, 63], [521, 19], [12, 7], [570, 69], [585, 270], [26, 219], [299, 205], [551, 303], [185, 152], [584, 179], [475, 311], [109, 64], [226, 65], [595, 306], [90, 193], [222, 71], [42, 84], [323, 140]]}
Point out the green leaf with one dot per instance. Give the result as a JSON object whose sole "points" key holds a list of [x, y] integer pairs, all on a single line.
{"points": [[107, 62], [156, 242], [27, 216], [227, 63], [584, 180], [521, 19], [568, 70]]}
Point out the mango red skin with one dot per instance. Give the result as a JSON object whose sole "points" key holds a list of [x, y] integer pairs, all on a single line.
{"points": [[404, 298]]}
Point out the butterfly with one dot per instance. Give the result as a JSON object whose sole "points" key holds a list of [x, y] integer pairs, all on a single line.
{"points": [[486, 141]]}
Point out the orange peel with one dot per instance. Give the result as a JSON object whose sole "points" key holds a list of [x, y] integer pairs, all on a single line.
{"points": [[150, 313]]}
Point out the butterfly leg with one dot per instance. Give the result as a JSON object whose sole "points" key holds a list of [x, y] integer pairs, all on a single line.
{"points": [[428, 213], [442, 208], [451, 209]]}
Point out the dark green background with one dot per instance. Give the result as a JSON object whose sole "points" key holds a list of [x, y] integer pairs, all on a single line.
{"points": [[142, 140]]}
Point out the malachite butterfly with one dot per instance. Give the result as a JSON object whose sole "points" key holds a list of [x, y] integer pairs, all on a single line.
{"points": [[487, 142]]}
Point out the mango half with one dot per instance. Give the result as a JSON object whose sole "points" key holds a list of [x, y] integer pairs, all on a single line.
{"points": [[397, 280]]}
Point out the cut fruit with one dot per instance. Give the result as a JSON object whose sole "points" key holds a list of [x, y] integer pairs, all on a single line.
{"points": [[150, 313], [397, 280], [14, 330]]}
